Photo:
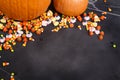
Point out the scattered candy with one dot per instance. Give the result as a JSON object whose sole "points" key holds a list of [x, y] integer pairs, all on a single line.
{"points": [[96, 18], [100, 37], [102, 33], [91, 33], [84, 23], [104, 13], [92, 29], [12, 74], [56, 23], [4, 64], [109, 9], [87, 18], [105, 1], [3, 20], [71, 25], [23, 31], [98, 27], [73, 20], [94, 24], [12, 78], [97, 32], [1, 79], [79, 27], [114, 45], [79, 18], [102, 17]]}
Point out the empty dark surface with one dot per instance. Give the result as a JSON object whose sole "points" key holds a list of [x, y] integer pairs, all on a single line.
{"points": [[69, 54]]}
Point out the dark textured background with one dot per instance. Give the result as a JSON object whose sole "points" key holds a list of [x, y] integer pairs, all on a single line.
{"points": [[69, 54]]}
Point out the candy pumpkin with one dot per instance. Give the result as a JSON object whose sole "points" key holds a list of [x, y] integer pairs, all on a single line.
{"points": [[70, 7], [24, 9]]}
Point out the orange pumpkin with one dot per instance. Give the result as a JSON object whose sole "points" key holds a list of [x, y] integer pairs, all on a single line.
{"points": [[70, 7], [24, 9]]}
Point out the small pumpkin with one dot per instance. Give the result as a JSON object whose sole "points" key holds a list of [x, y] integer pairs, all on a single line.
{"points": [[70, 7], [24, 9]]}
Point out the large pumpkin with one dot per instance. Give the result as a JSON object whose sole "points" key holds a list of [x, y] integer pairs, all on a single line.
{"points": [[24, 9], [70, 7]]}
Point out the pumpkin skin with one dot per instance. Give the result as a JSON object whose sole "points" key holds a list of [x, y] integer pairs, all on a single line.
{"points": [[24, 9], [70, 7]]}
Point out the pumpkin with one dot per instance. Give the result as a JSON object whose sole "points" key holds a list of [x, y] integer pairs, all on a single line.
{"points": [[24, 9], [70, 7]]}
